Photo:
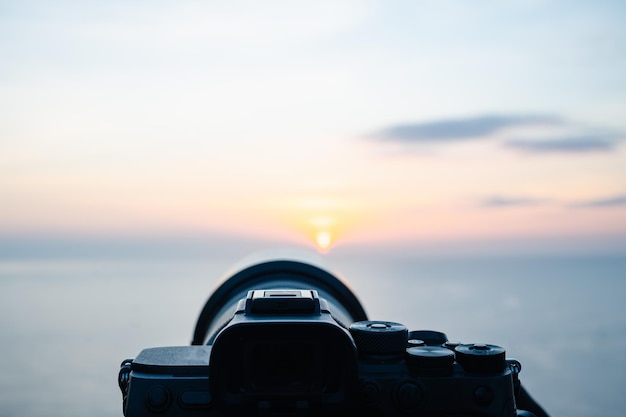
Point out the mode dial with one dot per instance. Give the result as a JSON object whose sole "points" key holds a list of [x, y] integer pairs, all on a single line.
{"points": [[379, 337]]}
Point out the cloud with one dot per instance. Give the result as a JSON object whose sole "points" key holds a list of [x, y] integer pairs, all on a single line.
{"points": [[535, 134], [451, 130], [577, 144], [500, 201], [614, 201]]}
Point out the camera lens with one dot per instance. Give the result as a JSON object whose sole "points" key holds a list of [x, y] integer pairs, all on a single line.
{"points": [[289, 273]]}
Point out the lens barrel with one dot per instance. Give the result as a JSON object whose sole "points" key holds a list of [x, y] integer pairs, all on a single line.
{"points": [[275, 275]]}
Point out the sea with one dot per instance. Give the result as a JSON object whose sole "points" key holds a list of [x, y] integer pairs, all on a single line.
{"points": [[67, 324]]}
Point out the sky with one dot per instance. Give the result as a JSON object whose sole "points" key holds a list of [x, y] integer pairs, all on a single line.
{"points": [[323, 123]]}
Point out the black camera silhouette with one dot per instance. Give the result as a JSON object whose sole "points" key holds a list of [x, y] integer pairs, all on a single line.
{"points": [[287, 338]]}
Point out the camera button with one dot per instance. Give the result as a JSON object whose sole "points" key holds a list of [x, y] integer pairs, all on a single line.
{"points": [[158, 399], [483, 395], [408, 396], [415, 343], [370, 393]]}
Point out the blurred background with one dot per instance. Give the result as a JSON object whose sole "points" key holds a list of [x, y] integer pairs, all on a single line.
{"points": [[461, 164]]}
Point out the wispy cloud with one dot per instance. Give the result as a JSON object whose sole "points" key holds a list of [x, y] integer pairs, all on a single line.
{"points": [[503, 201], [613, 201], [451, 130], [577, 144], [514, 132]]}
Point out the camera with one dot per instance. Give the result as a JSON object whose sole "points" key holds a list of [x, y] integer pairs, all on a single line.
{"points": [[285, 337]]}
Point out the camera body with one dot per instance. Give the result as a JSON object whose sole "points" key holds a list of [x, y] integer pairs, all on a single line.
{"points": [[285, 351]]}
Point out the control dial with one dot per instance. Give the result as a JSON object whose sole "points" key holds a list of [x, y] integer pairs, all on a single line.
{"points": [[481, 358], [379, 337]]}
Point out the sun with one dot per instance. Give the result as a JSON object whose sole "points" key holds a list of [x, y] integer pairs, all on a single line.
{"points": [[323, 240], [323, 221]]}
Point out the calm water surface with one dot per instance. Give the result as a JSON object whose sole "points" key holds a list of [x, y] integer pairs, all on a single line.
{"points": [[66, 325]]}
